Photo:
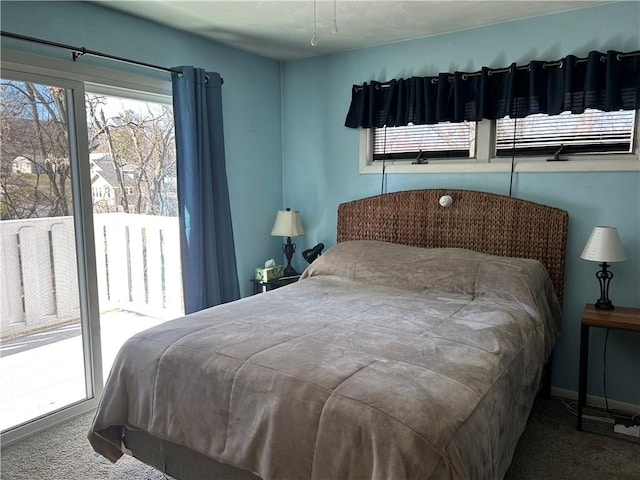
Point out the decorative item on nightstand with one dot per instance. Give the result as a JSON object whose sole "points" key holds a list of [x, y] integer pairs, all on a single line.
{"points": [[604, 246], [288, 224]]}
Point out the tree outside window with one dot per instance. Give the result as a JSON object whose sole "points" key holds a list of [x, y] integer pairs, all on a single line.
{"points": [[132, 154]]}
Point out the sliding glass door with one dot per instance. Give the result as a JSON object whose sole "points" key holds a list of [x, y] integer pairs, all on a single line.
{"points": [[45, 349], [135, 213], [89, 239]]}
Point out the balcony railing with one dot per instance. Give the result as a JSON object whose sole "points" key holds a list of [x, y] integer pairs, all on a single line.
{"points": [[137, 264]]}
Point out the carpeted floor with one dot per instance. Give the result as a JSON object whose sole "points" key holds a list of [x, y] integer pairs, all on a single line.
{"points": [[550, 448], [64, 453]]}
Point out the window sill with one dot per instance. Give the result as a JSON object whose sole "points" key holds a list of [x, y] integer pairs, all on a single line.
{"points": [[618, 163]]}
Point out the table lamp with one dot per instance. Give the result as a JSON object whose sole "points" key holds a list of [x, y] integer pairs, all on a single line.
{"points": [[604, 246], [288, 225]]}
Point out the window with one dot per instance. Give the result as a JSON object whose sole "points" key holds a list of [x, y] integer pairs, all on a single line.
{"points": [[122, 272], [592, 141], [422, 142], [131, 139], [591, 132], [42, 289]]}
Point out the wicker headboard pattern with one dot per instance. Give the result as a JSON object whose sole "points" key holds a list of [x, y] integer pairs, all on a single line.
{"points": [[479, 221]]}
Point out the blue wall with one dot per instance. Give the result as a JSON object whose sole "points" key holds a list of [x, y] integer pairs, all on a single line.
{"points": [[321, 161], [251, 100]]}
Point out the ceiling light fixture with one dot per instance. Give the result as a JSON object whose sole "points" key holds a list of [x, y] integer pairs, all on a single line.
{"points": [[334, 25], [314, 37]]}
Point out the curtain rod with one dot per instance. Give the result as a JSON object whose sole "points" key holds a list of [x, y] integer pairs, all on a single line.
{"points": [[79, 51], [491, 71]]}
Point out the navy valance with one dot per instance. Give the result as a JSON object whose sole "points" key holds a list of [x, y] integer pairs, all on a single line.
{"points": [[601, 81]]}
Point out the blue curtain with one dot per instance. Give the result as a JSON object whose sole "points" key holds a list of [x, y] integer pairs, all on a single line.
{"points": [[606, 82], [209, 274]]}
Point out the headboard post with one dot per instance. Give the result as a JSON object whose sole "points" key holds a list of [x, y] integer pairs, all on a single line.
{"points": [[479, 221]]}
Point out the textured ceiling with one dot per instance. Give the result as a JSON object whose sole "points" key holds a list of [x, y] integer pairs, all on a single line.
{"points": [[282, 29]]}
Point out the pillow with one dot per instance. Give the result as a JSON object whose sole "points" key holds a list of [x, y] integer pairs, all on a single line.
{"points": [[454, 270], [411, 268]]}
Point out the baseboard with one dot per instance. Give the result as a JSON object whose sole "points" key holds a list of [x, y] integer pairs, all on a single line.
{"points": [[596, 401]]}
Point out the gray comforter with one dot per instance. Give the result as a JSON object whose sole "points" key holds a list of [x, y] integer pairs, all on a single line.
{"points": [[383, 361]]}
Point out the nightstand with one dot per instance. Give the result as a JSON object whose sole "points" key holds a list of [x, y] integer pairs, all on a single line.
{"points": [[621, 318], [260, 286]]}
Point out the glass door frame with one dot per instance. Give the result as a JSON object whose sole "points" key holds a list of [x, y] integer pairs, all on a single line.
{"points": [[85, 254], [20, 64]]}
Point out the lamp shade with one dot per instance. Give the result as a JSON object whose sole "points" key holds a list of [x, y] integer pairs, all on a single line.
{"points": [[604, 245], [287, 224]]}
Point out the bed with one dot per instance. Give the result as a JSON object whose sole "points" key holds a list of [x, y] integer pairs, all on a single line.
{"points": [[414, 348]]}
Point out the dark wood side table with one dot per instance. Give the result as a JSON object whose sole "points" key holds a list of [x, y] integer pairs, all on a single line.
{"points": [[259, 286], [621, 318]]}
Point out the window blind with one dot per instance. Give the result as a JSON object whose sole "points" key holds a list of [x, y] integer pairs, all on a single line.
{"points": [[593, 131], [443, 140]]}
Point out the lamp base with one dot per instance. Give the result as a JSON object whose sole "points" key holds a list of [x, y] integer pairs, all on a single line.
{"points": [[289, 249], [290, 272], [604, 277], [604, 304]]}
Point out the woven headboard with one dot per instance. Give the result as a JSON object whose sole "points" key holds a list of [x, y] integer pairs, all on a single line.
{"points": [[479, 221]]}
